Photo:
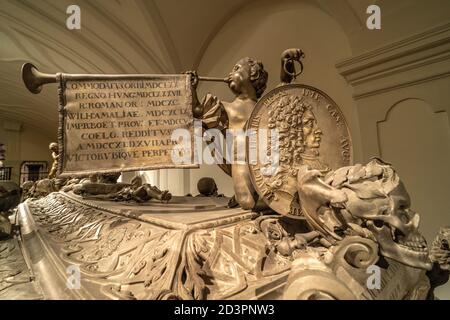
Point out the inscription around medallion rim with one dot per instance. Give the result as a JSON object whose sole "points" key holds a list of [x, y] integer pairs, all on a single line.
{"points": [[325, 114]]}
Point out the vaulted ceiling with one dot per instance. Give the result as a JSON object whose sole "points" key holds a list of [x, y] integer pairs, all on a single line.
{"points": [[130, 36]]}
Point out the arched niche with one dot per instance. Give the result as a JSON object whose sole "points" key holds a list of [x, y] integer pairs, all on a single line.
{"points": [[416, 139]]}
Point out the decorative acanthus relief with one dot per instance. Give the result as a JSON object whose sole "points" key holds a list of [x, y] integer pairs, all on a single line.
{"points": [[326, 255], [16, 281], [139, 260]]}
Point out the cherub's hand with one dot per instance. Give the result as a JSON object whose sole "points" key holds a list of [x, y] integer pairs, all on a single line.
{"points": [[338, 198], [312, 187], [194, 78], [197, 108]]}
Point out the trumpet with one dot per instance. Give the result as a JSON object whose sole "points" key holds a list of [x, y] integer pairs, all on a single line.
{"points": [[34, 79]]}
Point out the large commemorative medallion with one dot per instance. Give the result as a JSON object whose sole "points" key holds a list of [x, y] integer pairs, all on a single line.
{"points": [[310, 130]]}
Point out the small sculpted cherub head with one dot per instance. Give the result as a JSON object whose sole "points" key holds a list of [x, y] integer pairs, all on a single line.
{"points": [[248, 77], [53, 147]]}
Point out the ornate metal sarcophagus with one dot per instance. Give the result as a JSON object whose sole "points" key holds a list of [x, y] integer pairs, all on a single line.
{"points": [[192, 248]]}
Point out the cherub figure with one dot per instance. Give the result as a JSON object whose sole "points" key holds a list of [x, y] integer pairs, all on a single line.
{"points": [[53, 147], [247, 80]]}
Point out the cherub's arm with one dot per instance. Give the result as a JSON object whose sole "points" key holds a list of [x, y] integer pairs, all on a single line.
{"points": [[210, 110], [197, 108]]}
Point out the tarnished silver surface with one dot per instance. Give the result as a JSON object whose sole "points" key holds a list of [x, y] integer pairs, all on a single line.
{"points": [[17, 281], [312, 131], [342, 273], [191, 248], [369, 200], [194, 248]]}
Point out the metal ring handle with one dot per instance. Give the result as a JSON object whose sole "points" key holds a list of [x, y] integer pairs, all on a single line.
{"points": [[293, 74]]}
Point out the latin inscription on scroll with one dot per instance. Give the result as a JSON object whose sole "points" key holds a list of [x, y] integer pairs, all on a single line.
{"points": [[120, 124]]}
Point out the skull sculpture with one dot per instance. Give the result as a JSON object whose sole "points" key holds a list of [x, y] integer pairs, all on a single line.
{"points": [[370, 198]]}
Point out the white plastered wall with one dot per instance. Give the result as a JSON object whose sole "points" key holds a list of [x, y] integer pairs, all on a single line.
{"points": [[264, 31], [23, 143], [402, 98]]}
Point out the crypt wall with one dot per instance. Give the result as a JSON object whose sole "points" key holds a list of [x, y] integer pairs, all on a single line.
{"points": [[402, 101], [22, 143]]}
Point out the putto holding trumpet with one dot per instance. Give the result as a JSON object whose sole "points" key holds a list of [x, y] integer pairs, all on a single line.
{"points": [[248, 81]]}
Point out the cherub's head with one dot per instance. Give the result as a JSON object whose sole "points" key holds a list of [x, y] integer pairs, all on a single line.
{"points": [[53, 147], [248, 75]]}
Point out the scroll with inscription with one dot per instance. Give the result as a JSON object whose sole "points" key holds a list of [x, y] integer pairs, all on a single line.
{"points": [[115, 123]]}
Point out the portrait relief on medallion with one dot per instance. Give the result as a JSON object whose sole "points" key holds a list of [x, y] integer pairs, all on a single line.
{"points": [[299, 132], [311, 131]]}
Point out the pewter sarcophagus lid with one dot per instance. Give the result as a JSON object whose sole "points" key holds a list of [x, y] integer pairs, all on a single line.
{"points": [[192, 248]]}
